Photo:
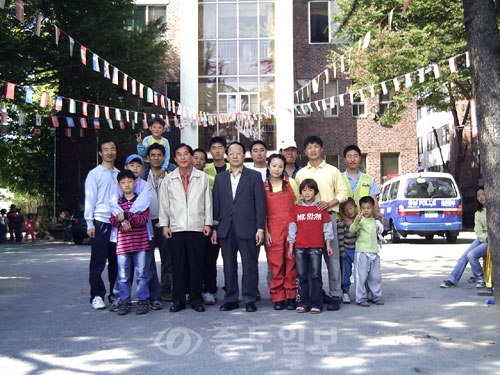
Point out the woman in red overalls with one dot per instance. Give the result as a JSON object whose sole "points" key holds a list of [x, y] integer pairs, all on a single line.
{"points": [[281, 195]]}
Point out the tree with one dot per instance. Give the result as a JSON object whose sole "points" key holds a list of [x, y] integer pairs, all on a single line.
{"points": [[31, 61], [483, 39], [428, 33]]}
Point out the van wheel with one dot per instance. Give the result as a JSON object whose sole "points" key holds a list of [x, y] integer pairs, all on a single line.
{"points": [[451, 237], [429, 237], [395, 236]]}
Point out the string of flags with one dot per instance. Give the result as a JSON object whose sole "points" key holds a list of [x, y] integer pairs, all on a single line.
{"points": [[407, 79], [188, 116]]}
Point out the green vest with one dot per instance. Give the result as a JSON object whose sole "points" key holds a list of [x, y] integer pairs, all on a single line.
{"points": [[362, 188], [212, 172]]}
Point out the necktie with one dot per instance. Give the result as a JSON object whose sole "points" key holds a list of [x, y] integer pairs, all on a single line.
{"points": [[185, 183]]}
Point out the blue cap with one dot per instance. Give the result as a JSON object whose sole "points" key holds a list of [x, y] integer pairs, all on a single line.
{"points": [[134, 157]]}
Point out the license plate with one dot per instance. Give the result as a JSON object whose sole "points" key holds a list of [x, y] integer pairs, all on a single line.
{"points": [[431, 215]]}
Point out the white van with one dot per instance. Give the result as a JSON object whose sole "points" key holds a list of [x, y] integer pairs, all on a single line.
{"points": [[424, 203]]}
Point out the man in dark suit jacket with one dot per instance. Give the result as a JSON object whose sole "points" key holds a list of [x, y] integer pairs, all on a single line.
{"points": [[239, 202]]}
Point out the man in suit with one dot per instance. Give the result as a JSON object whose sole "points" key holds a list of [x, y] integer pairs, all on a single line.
{"points": [[239, 203]]}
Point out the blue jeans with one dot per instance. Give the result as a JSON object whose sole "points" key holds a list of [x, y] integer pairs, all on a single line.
{"points": [[476, 250], [308, 263], [125, 276], [348, 262], [333, 263]]}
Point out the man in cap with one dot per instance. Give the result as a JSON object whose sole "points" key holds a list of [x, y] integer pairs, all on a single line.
{"points": [[288, 148]]}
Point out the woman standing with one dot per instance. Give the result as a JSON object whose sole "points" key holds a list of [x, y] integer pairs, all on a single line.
{"points": [[281, 195], [476, 250]]}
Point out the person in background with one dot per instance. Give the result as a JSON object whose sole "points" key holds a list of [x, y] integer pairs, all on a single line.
{"points": [[476, 250], [156, 128], [348, 212], [11, 222], [4, 222], [18, 225], [288, 148], [258, 153], [199, 158], [30, 226], [281, 194]]}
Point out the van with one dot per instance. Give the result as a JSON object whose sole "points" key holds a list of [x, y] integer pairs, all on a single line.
{"points": [[425, 203]]}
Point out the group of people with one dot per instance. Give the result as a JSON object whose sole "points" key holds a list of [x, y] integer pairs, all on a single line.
{"points": [[193, 211], [13, 222]]}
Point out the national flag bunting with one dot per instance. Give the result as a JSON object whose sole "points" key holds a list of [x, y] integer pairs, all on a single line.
{"points": [[83, 54], [44, 99], [59, 103], [10, 90], [38, 24], [20, 10]]}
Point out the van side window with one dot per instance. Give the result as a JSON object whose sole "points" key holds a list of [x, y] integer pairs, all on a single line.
{"points": [[393, 194], [385, 192]]}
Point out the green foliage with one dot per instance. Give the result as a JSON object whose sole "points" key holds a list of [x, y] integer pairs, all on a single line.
{"points": [[429, 32], [32, 61]]}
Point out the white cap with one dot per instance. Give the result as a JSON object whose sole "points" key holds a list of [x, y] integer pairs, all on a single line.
{"points": [[287, 143]]}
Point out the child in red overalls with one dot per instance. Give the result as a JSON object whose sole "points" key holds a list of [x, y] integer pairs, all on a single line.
{"points": [[30, 228]]}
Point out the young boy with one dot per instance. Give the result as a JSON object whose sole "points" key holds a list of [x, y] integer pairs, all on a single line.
{"points": [[366, 258], [157, 128], [348, 212], [308, 231], [132, 245]]}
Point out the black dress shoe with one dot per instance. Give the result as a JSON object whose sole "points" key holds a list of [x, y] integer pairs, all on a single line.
{"points": [[291, 304], [177, 306], [250, 307], [280, 305], [228, 306], [198, 307]]}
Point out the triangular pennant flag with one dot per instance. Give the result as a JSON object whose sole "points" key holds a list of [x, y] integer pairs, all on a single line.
{"points": [[83, 122], [141, 90], [323, 104], [57, 34], [162, 101], [467, 59], [44, 99], [366, 40], [59, 103], [361, 95], [83, 54], [391, 13], [144, 121], [127, 115], [71, 46], [405, 6], [372, 91], [421, 75], [341, 100], [71, 123], [437, 70], [10, 90], [55, 121], [173, 106], [110, 123], [97, 125], [316, 103], [95, 63], [38, 24], [118, 115], [408, 82], [67, 132], [136, 117], [122, 124], [351, 97], [149, 97], [396, 83], [20, 10], [155, 98], [453, 65], [97, 111], [106, 113], [21, 119], [384, 88], [335, 69], [82, 133], [309, 106], [106, 70], [169, 104], [125, 81], [133, 87], [2, 4], [327, 76], [4, 116], [342, 64], [28, 96], [38, 120], [115, 75], [84, 108], [314, 84], [72, 106], [332, 102]]}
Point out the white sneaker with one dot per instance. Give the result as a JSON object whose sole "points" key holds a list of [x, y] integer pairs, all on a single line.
{"points": [[345, 298], [209, 298], [480, 283], [98, 303]]}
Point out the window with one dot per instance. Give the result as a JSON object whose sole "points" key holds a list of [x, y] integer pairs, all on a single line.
{"points": [[393, 193], [384, 102], [389, 164], [330, 90], [445, 135], [431, 141], [420, 146], [145, 14], [358, 107], [332, 160]]}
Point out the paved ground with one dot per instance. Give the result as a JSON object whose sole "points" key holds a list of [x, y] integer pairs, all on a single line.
{"points": [[48, 327]]}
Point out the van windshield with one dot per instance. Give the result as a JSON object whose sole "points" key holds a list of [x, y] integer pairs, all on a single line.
{"points": [[430, 187]]}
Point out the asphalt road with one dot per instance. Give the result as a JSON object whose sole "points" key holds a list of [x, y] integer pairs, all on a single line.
{"points": [[47, 325]]}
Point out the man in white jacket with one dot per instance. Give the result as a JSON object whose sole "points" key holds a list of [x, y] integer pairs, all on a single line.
{"points": [[186, 217]]}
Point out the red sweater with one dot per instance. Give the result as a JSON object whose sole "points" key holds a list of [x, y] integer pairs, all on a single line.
{"points": [[309, 222]]}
